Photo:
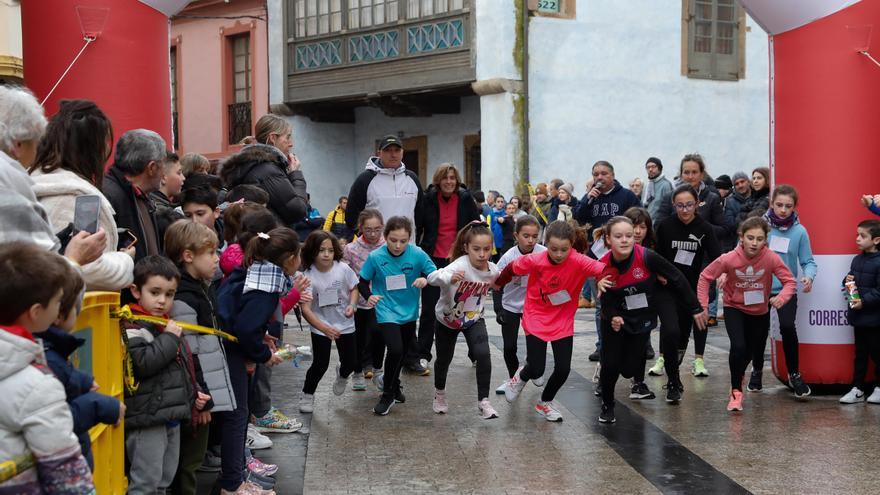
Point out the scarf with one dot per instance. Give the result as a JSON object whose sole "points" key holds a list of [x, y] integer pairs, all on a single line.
{"points": [[782, 224]]}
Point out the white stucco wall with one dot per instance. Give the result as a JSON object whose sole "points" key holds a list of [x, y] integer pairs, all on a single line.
{"points": [[277, 44], [495, 21], [608, 86], [445, 133], [328, 159]]}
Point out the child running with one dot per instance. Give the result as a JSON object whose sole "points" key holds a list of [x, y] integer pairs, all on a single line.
{"points": [[557, 277], [747, 282], [513, 297], [864, 312], [334, 299], [396, 272], [464, 284], [628, 305]]}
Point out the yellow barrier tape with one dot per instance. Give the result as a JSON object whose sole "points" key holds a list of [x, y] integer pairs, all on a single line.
{"points": [[126, 314], [20, 464], [533, 193]]}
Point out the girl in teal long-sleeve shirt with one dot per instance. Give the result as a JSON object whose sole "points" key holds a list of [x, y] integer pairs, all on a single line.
{"points": [[790, 240]]}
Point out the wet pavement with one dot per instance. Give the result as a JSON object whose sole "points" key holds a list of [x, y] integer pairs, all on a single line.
{"points": [[777, 445]]}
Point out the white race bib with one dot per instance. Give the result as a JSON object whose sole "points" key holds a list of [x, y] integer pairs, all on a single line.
{"points": [[471, 303], [684, 257], [599, 248], [751, 297], [328, 297], [636, 301], [523, 281], [395, 282], [779, 243], [560, 297]]}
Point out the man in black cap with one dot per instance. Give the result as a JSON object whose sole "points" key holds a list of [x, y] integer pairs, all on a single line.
{"points": [[388, 186]]}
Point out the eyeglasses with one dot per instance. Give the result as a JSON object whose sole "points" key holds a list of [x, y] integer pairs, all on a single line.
{"points": [[377, 230], [685, 206]]}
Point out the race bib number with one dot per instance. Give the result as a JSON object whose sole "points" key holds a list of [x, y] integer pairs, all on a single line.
{"points": [[560, 297], [636, 301], [599, 249], [328, 297], [395, 282], [751, 297], [779, 244], [684, 257]]}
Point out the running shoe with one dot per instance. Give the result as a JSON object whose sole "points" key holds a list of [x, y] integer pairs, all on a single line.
{"points": [[379, 380], [256, 440], [418, 369], [640, 391], [368, 373], [594, 356], [736, 401], [501, 388], [673, 392], [398, 396], [755, 381], [486, 409], [264, 482], [255, 465], [340, 383], [307, 403], [384, 406], [357, 382], [549, 412], [248, 488], [514, 387], [801, 389], [440, 406], [875, 396], [659, 366], [854, 396], [607, 415], [699, 368], [277, 422]]}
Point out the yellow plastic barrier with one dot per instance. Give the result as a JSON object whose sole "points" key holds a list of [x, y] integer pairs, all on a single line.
{"points": [[102, 357]]}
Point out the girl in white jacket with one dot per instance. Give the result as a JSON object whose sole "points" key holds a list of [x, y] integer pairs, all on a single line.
{"points": [[465, 283]]}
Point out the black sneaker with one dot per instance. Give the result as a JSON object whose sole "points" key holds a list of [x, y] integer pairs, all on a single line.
{"points": [[641, 391], [673, 393], [594, 357], [607, 415], [398, 396], [649, 352], [755, 381], [384, 405], [801, 389]]}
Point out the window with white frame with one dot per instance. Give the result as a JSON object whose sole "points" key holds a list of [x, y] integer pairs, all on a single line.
{"points": [[426, 8], [715, 34], [315, 17], [367, 13], [319, 17]]}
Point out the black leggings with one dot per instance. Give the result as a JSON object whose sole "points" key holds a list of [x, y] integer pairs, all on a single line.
{"points": [[536, 360], [370, 347], [510, 336], [427, 319], [745, 333], [685, 324], [787, 316], [622, 353], [346, 347], [478, 346], [669, 331], [867, 344], [397, 337]]}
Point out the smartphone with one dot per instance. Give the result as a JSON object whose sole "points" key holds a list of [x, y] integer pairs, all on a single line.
{"points": [[85, 213], [126, 239]]}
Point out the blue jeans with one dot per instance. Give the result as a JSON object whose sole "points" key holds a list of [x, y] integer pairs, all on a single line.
{"points": [[233, 424]]}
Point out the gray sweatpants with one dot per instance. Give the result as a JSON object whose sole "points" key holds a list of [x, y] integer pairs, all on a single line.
{"points": [[152, 456]]}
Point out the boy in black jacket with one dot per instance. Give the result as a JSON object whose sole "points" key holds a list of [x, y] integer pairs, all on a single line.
{"points": [[167, 392], [87, 407]]}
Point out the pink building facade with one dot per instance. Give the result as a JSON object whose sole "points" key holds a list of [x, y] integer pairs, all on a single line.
{"points": [[219, 74]]}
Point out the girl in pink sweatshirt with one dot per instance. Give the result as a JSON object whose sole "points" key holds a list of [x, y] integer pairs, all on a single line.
{"points": [[746, 274]]}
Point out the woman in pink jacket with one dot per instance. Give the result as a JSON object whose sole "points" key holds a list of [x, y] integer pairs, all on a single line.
{"points": [[746, 274]]}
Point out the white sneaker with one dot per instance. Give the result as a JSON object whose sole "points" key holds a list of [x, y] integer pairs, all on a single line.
{"points": [[875, 396], [256, 440], [539, 382], [854, 396], [440, 406], [379, 380], [487, 410], [358, 384], [340, 384], [307, 403], [547, 410], [514, 387], [501, 388], [424, 363]]}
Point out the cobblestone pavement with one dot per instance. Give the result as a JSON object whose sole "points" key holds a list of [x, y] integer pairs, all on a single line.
{"points": [[777, 445]]}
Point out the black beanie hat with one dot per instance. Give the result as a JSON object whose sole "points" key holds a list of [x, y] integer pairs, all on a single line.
{"points": [[723, 182], [655, 160]]}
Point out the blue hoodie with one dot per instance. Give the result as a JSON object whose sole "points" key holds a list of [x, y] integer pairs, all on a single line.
{"points": [[798, 254], [600, 210]]}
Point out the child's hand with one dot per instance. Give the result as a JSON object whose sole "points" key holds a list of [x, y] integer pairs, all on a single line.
{"points": [[121, 413], [721, 281], [331, 333], [273, 361], [306, 298], [776, 302], [203, 418], [201, 400], [420, 283], [857, 304], [173, 328], [95, 386], [849, 278], [616, 323], [702, 320], [302, 284], [373, 301], [808, 284], [876, 199], [349, 310], [271, 342], [457, 277], [662, 280], [605, 284], [500, 219], [867, 199]]}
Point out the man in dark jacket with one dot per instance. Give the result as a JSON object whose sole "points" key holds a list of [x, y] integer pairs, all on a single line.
{"points": [[265, 166], [137, 171]]}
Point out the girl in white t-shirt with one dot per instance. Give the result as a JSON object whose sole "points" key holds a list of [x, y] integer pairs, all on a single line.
{"points": [[465, 284], [334, 300]]}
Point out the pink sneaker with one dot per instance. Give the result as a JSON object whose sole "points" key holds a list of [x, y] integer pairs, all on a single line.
{"points": [[736, 400], [261, 468]]}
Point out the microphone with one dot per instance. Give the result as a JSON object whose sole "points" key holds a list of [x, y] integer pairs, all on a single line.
{"points": [[597, 185]]}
